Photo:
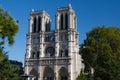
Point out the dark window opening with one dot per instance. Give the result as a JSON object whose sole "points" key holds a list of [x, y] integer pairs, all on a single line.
{"points": [[61, 20], [38, 54], [66, 21], [49, 38], [33, 55], [66, 53], [47, 26], [64, 78], [39, 24], [34, 28], [61, 53]]}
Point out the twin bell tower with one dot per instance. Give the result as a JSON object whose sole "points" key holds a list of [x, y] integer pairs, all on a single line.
{"points": [[53, 54]]}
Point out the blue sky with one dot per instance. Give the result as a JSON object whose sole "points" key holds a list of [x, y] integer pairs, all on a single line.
{"points": [[90, 14]]}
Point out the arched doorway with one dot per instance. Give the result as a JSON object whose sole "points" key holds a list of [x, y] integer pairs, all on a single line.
{"points": [[34, 73], [48, 74], [63, 74]]}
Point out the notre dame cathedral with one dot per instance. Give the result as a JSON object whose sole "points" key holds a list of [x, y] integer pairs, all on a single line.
{"points": [[53, 54]]}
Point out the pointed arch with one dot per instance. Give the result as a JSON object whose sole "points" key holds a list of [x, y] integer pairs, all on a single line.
{"points": [[33, 55], [48, 73], [34, 73], [63, 73]]}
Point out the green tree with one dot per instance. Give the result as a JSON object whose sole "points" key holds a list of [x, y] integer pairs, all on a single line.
{"points": [[8, 29], [7, 71], [101, 51], [81, 76]]}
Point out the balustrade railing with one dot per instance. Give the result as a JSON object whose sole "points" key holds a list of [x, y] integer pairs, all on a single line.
{"points": [[48, 61]]}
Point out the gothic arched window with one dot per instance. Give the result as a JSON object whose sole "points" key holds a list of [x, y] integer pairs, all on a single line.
{"points": [[39, 24], [47, 26], [34, 28], [33, 55], [66, 21], [61, 21]]}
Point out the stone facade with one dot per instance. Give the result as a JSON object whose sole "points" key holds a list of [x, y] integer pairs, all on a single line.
{"points": [[53, 55]]}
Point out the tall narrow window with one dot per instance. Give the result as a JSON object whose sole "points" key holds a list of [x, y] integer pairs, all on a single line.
{"points": [[47, 26], [39, 24], [66, 21], [75, 22], [34, 28], [38, 54], [61, 20], [61, 53], [33, 55], [66, 53]]}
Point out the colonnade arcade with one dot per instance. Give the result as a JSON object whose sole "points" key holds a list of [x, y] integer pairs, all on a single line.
{"points": [[49, 74]]}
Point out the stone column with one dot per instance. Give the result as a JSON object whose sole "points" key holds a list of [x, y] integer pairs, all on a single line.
{"points": [[57, 43], [41, 44], [57, 21], [56, 72], [40, 71], [26, 69], [30, 24], [28, 49], [70, 20], [69, 71], [70, 43], [74, 22], [43, 23], [42, 35]]}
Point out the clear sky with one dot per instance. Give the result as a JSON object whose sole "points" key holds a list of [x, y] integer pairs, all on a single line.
{"points": [[90, 14]]}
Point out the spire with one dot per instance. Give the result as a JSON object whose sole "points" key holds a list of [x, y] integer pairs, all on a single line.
{"points": [[32, 10], [69, 5]]}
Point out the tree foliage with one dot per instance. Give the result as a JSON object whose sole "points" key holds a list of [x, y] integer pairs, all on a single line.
{"points": [[81, 76], [101, 50], [7, 71], [8, 29]]}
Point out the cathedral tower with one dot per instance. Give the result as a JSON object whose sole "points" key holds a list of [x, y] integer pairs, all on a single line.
{"points": [[53, 55]]}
